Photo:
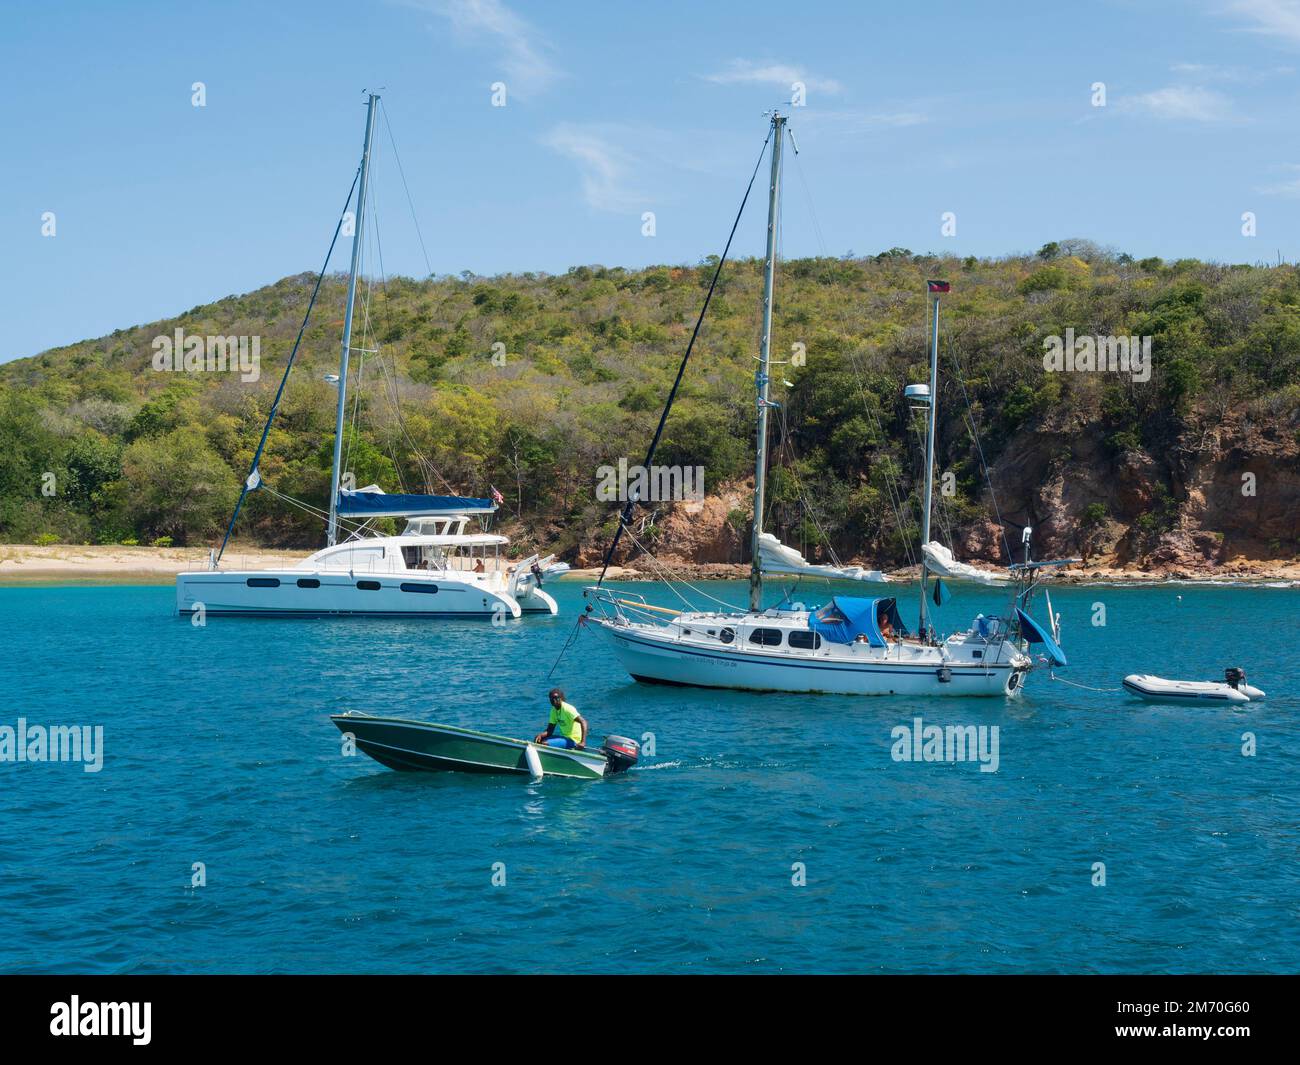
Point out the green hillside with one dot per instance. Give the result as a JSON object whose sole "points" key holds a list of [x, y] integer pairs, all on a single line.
{"points": [[137, 454]]}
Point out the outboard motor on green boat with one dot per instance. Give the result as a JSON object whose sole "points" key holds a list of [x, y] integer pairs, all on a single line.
{"points": [[621, 752]]}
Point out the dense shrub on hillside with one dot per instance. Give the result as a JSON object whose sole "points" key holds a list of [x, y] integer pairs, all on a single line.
{"points": [[530, 383]]}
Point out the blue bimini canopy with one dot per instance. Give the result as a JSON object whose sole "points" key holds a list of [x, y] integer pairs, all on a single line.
{"points": [[382, 505], [845, 618], [1035, 633]]}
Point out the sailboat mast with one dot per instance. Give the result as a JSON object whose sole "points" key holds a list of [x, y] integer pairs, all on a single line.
{"points": [[761, 378], [935, 288], [332, 536]]}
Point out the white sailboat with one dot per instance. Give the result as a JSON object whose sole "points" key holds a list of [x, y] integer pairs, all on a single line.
{"points": [[851, 645], [434, 568]]}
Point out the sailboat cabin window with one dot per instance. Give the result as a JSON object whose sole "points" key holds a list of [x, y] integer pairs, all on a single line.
{"points": [[766, 637], [808, 641]]}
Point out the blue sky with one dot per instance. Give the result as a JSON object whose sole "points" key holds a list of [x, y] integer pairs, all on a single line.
{"points": [[614, 109]]}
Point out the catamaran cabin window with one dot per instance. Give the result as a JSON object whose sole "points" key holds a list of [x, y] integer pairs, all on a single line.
{"points": [[368, 586], [263, 582], [429, 588], [809, 641], [308, 582], [766, 637]]}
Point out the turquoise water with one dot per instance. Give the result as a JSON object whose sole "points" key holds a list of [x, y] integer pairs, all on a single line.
{"points": [[218, 750]]}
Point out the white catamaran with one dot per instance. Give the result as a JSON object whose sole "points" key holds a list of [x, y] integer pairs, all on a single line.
{"points": [[851, 645], [434, 568]]}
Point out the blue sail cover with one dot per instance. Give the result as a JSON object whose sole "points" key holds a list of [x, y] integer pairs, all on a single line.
{"points": [[1035, 633], [846, 618], [382, 505]]}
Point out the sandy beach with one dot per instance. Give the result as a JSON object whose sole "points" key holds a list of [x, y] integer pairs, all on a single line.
{"points": [[98, 563], [113, 564]]}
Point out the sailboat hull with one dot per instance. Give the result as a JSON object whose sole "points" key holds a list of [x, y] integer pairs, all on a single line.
{"points": [[652, 658]]}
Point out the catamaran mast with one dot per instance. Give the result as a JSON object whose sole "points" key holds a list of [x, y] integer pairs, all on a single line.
{"points": [[935, 288], [332, 535], [764, 352]]}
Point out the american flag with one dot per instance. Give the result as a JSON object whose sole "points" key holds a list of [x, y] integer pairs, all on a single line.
{"points": [[497, 497]]}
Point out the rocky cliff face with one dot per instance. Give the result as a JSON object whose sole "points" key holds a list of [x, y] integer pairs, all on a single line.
{"points": [[1221, 500], [1217, 496]]}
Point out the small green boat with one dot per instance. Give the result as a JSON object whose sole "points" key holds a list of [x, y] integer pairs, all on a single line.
{"points": [[403, 744]]}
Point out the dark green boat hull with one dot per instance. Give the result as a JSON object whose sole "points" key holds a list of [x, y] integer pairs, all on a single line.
{"points": [[407, 745]]}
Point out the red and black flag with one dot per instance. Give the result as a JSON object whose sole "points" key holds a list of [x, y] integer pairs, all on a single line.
{"points": [[939, 286]]}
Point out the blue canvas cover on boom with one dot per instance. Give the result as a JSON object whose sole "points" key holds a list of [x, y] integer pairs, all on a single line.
{"points": [[845, 618], [364, 504]]}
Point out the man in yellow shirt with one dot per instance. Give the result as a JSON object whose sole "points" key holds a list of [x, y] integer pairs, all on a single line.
{"points": [[565, 727]]}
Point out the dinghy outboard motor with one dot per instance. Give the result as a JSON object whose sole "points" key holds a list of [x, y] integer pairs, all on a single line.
{"points": [[621, 752], [1236, 678]]}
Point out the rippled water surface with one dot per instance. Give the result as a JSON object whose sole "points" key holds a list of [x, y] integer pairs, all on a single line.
{"points": [[218, 750]]}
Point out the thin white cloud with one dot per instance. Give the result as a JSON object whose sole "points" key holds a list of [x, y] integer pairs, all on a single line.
{"points": [[778, 75], [605, 166], [1288, 189], [1212, 72], [844, 122], [1273, 18], [1182, 103], [520, 49]]}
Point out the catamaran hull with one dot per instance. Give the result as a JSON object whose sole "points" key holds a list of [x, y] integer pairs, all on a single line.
{"points": [[299, 593], [416, 745], [536, 601], [653, 661]]}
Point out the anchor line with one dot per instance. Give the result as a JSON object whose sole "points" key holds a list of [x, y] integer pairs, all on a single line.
{"points": [[564, 650], [1076, 684]]}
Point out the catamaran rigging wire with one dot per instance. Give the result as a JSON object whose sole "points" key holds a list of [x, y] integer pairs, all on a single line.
{"points": [[402, 173], [275, 406], [391, 392], [626, 514]]}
